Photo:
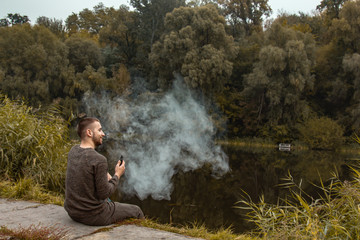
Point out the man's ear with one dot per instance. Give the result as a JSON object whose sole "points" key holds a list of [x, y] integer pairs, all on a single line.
{"points": [[89, 132]]}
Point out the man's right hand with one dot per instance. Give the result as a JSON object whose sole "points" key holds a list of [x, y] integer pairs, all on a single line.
{"points": [[119, 169]]}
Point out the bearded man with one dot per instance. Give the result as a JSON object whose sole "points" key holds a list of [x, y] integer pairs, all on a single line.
{"points": [[88, 184]]}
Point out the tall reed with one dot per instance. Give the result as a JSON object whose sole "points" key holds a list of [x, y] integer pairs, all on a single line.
{"points": [[33, 144], [335, 214]]}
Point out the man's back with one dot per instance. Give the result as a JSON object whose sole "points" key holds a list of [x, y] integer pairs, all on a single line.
{"points": [[86, 183]]}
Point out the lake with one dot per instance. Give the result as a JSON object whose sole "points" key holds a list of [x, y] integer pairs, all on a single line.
{"points": [[198, 197]]}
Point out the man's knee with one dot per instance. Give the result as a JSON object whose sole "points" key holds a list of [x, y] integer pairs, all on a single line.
{"points": [[139, 212]]}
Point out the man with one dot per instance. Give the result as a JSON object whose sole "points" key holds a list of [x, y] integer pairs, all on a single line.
{"points": [[88, 184]]}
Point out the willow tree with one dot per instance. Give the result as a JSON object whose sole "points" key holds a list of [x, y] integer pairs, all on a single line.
{"points": [[246, 14], [336, 83], [195, 45], [282, 76]]}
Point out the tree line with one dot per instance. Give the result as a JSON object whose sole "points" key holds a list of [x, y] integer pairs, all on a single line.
{"points": [[266, 78]]}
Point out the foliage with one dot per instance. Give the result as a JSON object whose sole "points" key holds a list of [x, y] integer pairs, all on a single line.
{"points": [[33, 233], [322, 133], [196, 230], [246, 13], [281, 77], [32, 61], [122, 36], [33, 145], [151, 16], [331, 7], [83, 52], [54, 25], [195, 45], [335, 215], [90, 21], [261, 74], [13, 19], [26, 189]]}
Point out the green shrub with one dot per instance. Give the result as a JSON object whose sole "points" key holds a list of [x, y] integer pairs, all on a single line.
{"points": [[321, 133], [33, 145]]}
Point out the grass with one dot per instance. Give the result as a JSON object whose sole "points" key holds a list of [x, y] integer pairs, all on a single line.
{"points": [[33, 144], [193, 230], [26, 189], [334, 215], [33, 233]]}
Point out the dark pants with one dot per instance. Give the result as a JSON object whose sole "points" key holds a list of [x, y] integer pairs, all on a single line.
{"points": [[115, 212]]}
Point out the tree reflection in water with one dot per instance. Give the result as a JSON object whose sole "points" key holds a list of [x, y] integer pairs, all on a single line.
{"points": [[199, 197]]}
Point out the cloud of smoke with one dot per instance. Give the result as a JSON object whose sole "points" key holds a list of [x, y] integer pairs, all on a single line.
{"points": [[159, 135]]}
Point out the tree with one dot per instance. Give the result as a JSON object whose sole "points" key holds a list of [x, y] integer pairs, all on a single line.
{"points": [[246, 13], [32, 60], [90, 21], [83, 52], [281, 78], [331, 7], [351, 65], [336, 83], [121, 37], [152, 14], [54, 25], [345, 30], [322, 133], [13, 19], [195, 45]]}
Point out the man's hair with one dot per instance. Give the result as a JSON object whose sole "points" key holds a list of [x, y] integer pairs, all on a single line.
{"points": [[83, 125]]}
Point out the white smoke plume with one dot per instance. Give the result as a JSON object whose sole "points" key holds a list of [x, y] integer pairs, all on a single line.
{"points": [[160, 136]]}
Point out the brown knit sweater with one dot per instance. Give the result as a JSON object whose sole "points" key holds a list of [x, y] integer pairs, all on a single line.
{"points": [[87, 186]]}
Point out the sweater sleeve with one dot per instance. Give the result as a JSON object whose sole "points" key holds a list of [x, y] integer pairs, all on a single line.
{"points": [[103, 187]]}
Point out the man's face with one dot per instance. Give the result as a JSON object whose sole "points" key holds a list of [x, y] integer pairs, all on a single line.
{"points": [[98, 133]]}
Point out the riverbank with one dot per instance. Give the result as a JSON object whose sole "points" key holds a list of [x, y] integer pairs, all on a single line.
{"points": [[27, 217], [17, 215]]}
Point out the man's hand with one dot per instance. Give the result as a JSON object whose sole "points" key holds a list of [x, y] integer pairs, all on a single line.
{"points": [[109, 176], [119, 169]]}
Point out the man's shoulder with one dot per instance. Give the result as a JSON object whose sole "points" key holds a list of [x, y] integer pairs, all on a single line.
{"points": [[93, 154], [89, 153]]}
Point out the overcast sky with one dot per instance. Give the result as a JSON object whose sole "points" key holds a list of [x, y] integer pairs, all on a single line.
{"points": [[62, 9]]}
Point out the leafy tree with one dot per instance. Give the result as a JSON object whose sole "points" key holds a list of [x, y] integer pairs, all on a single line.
{"points": [[331, 7], [54, 25], [351, 65], [121, 37], [246, 13], [32, 61], [281, 78], [90, 21], [195, 45], [13, 19], [336, 83], [83, 52], [346, 30], [322, 133], [152, 14]]}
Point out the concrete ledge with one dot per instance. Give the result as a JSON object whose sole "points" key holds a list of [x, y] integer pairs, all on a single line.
{"points": [[23, 214]]}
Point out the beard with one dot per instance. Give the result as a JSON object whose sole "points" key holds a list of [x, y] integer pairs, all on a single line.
{"points": [[97, 140]]}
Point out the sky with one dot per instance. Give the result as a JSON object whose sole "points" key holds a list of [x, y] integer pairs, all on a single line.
{"points": [[62, 9]]}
